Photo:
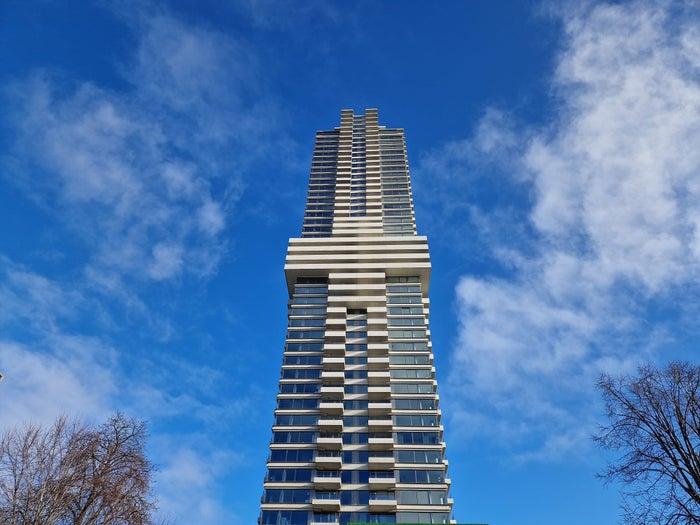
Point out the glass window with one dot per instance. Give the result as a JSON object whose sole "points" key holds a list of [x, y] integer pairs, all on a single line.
{"points": [[284, 517], [412, 388], [417, 438], [355, 404], [356, 421], [301, 373], [307, 322], [296, 475], [407, 334], [403, 299], [355, 438], [405, 310], [411, 347], [415, 420], [412, 373], [305, 334], [414, 404], [302, 360], [297, 404], [421, 476], [304, 347], [409, 360], [294, 437], [354, 476], [296, 419], [354, 497], [308, 311], [300, 388], [295, 455], [287, 496], [405, 321], [419, 456], [309, 300], [355, 389]]}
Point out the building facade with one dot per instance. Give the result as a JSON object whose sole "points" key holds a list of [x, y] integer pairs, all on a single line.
{"points": [[357, 436]]}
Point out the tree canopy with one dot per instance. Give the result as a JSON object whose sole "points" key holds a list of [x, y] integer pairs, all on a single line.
{"points": [[654, 425], [74, 474]]}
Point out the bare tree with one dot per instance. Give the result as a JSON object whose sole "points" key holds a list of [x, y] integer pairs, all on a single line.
{"points": [[72, 474], [655, 425]]}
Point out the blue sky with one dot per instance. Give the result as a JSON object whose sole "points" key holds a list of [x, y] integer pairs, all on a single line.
{"points": [[154, 160]]}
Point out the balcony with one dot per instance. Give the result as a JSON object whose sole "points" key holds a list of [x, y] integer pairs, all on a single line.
{"points": [[330, 408], [328, 461], [332, 377], [382, 483], [381, 462], [333, 363], [327, 480], [378, 363], [380, 424], [330, 424], [330, 441], [331, 392], [378, 350], [377, 408], [335, 336], [377, 393], [326, 504], [334, 349], [381, 443], [378, 377], [382, 505]]}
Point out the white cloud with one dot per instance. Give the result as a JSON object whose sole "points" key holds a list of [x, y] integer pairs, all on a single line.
{"points": [[612, 229], [138, 174], [65, 375], [189, 471]]}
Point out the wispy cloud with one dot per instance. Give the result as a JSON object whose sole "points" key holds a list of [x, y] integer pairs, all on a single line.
{"points": [[143, 176], [604, 265]]}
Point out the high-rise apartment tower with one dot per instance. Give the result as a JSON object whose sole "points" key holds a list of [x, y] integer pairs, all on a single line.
{"points": [[357, 435]]}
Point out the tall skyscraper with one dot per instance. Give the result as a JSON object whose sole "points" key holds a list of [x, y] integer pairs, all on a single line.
{"points": [[357, 435]]}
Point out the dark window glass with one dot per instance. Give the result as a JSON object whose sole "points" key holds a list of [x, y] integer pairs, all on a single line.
{"points": [[296, 475], [299, 455], [300, 388], [284, 517], [417, 438], [287, 496], [293, 437]]}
